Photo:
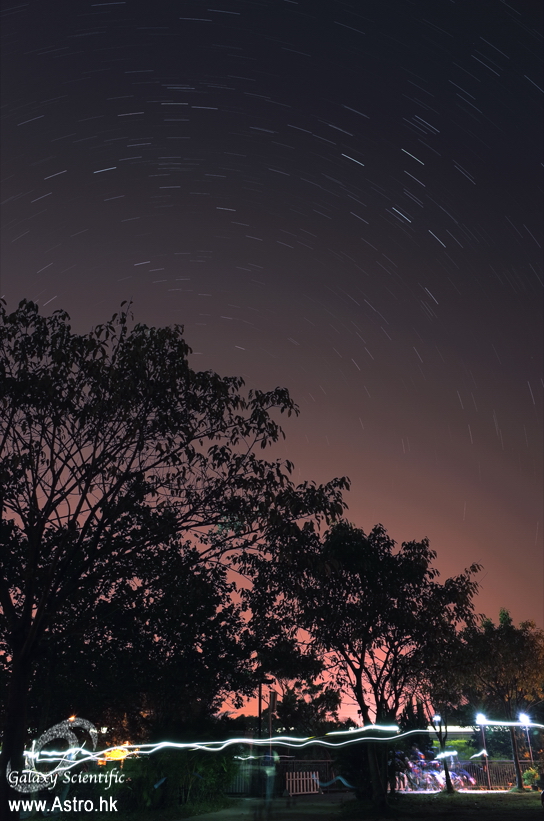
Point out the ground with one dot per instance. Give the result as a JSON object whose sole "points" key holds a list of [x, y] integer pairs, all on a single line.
{"points": [[475, 806], [459, 807]]}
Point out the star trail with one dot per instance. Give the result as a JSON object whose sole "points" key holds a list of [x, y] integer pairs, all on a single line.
{"points": [[342, 198]]}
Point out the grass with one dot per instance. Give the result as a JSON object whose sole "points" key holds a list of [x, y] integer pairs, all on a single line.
{"points": [[457, 807], [482, 806]]}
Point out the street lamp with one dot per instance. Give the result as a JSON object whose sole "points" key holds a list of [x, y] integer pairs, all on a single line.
{"points": [[261, 682], [437, 721], [482, 721], [525, 720]]}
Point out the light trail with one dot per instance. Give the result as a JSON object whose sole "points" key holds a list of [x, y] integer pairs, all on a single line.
{"points": [[293, 742]]}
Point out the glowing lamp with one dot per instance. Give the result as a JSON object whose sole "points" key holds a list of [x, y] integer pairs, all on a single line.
{"points": [[482, 721], [525, 720], [117, 754]]}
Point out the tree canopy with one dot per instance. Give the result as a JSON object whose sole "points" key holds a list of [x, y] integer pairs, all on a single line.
{"points": [[505, 671], [309, 708], [133, 488], [374, 608], [115, 457], [156, 659]]}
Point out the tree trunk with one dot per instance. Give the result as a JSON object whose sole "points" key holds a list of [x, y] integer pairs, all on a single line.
{"points": [[15, 729], [442, 739], [392, 774], [450, 789], [515, 754], [377, 778], [449, 786]]}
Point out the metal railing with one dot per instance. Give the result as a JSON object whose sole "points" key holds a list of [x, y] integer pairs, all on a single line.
{"points": [[502, 774], [429, 776]]}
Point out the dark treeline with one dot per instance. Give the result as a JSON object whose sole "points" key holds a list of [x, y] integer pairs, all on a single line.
{"points": [[133, 492]]}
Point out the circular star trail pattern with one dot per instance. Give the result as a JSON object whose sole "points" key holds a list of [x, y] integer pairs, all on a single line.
{"points": [[343, 198]]}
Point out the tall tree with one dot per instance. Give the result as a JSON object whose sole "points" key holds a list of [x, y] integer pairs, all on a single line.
{"points": [[444, 689], [506, 665], [372, 607], [152, 658], [112, 448]]}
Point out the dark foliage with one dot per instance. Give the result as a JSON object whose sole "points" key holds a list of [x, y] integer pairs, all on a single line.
{"points": [[124, 473]]}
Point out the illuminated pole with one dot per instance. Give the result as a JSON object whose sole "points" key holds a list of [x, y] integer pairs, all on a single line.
{"points": [[525, 720], [437, 721], [481, 720], [260, 728], [272, 704], [261, 682]]}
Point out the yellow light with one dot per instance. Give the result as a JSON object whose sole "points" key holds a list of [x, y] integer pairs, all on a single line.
{"points": [[116, 754]]}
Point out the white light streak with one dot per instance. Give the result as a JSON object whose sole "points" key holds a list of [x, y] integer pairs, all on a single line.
{"points": [[436, 238], [412, 156], [351, 158], [56, 175], [354, 737]]}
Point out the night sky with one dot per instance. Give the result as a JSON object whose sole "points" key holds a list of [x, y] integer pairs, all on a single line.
{"points": [[342, 198]]}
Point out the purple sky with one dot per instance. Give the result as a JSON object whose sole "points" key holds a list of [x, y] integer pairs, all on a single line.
{"points": [[342, 198]]}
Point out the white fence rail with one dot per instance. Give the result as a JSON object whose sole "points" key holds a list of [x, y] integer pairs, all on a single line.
{"points": [[303, 783]]}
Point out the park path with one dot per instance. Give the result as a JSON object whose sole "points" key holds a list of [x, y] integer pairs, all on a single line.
{"points": [[322, 807]]}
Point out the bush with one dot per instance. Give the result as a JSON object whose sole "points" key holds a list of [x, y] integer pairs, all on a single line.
{"points": [[173, 777], [530, 777]]}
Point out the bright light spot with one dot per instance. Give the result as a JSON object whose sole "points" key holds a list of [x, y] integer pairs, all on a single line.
{"points": [[116, 755], [481, 719], [476, 755]]}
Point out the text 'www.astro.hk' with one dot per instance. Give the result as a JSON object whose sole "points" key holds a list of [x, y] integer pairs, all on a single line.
{"points": [[101, 804]]}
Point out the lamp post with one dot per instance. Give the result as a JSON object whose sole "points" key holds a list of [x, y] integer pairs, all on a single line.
{"points": [[261, 682], [482, 721], [272, 704], [525, 720], [437, 721]]}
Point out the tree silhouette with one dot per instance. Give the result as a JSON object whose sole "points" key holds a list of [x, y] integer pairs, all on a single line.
{"points": [[374, 608], [506, 670], [112, 451]]}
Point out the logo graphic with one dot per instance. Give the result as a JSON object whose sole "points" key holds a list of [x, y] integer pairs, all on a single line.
{"points": [[30, 779]]}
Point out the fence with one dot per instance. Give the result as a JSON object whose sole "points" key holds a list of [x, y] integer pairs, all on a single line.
{"points": [[303, 783], [471, 775], [289, 771], [320, 768], [502, 774], [249, 781], [241, 783]]}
